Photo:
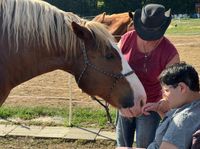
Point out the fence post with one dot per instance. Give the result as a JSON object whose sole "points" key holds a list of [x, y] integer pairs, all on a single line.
{"points": [[70, 100]]}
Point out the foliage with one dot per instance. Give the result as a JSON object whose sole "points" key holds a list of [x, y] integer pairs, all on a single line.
{"points": [[94, 7], [118, 6]]}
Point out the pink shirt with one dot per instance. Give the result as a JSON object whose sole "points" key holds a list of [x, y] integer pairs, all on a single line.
{"points": [[155, 63]]}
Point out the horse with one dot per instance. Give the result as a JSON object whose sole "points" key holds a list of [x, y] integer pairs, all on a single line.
{"points": [[117, 24], [36, 38]]}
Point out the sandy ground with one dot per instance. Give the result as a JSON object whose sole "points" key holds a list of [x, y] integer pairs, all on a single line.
{"points": [[53, 89]]}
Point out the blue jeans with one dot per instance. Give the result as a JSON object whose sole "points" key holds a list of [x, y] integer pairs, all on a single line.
{"points": [[145, 127]]}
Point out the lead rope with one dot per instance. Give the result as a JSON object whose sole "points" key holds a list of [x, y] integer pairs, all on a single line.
{"points": [[106, 107]]}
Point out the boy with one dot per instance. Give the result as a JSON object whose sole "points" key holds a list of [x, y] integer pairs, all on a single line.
{"points": [[180, 86]]}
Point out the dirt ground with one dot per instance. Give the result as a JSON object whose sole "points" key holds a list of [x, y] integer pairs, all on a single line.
{"points": [[33, 143], [53, 89]]}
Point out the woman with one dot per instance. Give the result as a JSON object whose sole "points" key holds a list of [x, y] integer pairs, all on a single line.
{"points": [[148, 52]]}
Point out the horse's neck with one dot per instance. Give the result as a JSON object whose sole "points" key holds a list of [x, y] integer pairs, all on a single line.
{"points": [[23, 66]]}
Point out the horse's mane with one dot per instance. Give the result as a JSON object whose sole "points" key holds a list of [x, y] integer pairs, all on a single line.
{"points": [[40, 23]]}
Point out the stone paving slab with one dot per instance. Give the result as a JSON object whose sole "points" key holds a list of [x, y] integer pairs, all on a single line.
{"points": [[56, 132], [25, 131], [106, 135], [82, 133], [53, 132], [5, 129]]}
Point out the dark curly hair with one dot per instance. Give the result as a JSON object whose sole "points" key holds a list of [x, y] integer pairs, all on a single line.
{"points": [[180, 72]]}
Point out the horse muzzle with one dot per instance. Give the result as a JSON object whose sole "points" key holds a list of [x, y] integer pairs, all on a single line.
{"points": [[127, 102]]}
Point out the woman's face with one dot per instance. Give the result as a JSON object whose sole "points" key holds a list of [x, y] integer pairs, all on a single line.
{"points": [[153, 43], [149, 44]]}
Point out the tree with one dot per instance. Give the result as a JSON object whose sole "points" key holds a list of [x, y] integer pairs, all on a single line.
{"points": [[94, 7]]}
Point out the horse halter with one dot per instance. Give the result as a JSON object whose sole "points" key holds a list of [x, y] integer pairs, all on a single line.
{"points": [[116, 76]]}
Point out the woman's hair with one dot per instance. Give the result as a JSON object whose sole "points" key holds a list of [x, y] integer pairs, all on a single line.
{"points": [[180, 72]]}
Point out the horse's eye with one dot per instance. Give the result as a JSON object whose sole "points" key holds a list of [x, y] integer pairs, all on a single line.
{"points": [[109, 56]]}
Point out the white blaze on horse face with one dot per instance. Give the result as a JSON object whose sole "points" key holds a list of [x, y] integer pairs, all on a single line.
{"points": [[136, 85]]}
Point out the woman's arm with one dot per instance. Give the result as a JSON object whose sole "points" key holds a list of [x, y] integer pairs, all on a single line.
{"points": [[175, 59], [161, 106]]}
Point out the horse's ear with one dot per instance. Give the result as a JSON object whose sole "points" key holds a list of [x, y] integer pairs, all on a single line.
{"points": [[103, 15], [81, 31], [130, 13]]}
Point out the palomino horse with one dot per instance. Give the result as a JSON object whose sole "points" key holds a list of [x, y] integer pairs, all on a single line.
{"points": [[117, 24], [36, 38]]}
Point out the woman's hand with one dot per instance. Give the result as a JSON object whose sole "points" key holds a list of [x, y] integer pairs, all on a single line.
{"points": [[161, 107], [150, 107]]}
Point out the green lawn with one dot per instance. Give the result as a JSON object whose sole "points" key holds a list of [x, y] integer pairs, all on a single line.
{"points": [[184, 27], [83, 117]]}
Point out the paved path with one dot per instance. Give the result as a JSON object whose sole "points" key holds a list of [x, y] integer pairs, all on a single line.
{"points": [[55, 132]]}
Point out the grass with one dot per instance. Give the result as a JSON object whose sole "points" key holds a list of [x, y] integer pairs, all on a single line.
{"points": [[184, 27], [28, 113], [85, 116], [82, 117]]}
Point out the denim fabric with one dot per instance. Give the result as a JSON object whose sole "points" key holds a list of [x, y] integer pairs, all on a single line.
{"points": [[145, 127], [125, 131]]}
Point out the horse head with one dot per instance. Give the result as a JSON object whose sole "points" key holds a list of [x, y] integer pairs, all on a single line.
{"points": [[117, 24], [102, 70]]}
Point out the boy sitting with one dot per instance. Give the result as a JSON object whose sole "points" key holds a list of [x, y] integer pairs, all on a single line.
{"points": [[180, 85]]}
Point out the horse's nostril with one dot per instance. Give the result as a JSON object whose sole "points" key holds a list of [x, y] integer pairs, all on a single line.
{"points": [[127, 103]]}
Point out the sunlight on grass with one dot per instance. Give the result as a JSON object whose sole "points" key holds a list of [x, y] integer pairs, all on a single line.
{"points": [[89, 116], [184, 27], [81, 116]]}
